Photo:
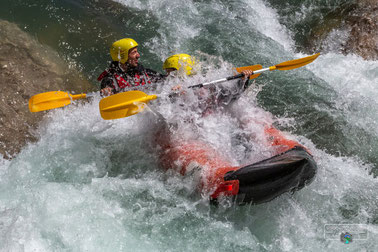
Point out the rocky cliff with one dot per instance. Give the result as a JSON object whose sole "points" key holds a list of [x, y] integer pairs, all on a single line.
{"points": [[358, 20], [28, 68]]}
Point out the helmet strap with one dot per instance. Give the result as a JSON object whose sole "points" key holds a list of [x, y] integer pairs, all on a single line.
{"points": [[124, 66]]}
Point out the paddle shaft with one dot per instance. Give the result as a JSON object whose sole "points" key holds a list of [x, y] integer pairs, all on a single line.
{"points": [[217, 81], [232, 77], [81, 96]]}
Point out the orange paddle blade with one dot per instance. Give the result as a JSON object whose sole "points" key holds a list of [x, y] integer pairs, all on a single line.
{"points": [[252, 68], [292, 64]]}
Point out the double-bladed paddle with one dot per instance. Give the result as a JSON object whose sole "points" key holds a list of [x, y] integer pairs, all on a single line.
{"points": [[58, 99]]}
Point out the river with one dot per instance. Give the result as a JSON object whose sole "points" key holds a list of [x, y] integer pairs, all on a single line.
{"points": [[92, 185]]}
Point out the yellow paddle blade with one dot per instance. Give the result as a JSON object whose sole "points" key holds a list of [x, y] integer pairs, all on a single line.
{"points": [[292, 64], [51, 100], [124, 104], [252, 68]]}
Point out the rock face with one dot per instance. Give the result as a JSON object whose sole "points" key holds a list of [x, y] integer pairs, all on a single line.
{"points": [[363, 38], [359, 19], [27, 68]]}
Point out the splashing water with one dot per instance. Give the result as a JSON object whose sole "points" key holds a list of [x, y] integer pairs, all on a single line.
{"points": [[95, 185]]}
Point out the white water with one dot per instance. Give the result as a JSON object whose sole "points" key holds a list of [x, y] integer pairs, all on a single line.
{"points": [[90, 184], [356, 82]]}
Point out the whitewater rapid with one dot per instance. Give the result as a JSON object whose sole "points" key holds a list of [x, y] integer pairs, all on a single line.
{"points": [[91, 185]]}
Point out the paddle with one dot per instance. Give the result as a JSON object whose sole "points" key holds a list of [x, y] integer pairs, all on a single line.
{"points": [[257, 69], [57, 99], [132, 102], [53, 99]]}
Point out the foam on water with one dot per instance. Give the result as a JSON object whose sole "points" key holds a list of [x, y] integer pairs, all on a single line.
{"points": [[265, 19], [355, 80], [232, 29]]}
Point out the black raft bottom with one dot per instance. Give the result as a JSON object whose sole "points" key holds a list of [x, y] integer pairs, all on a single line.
{"points": [[265, 180]]}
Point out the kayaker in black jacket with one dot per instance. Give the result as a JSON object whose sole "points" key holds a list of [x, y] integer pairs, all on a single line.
{"points": [[125, 73], [212, 96]]}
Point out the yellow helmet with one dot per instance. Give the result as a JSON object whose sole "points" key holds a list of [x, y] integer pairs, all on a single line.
{"points": [[119, 51], [180, 60]]}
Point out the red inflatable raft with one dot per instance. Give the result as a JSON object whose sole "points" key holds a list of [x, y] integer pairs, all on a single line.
{"points": [[291, 169]]}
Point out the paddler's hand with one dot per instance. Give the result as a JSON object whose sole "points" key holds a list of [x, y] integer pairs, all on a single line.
{"points": [[178, 90], [106, 91], [247, 73]]}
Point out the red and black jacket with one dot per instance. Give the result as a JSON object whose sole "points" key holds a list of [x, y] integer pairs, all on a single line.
{"points": [[135, 78]]}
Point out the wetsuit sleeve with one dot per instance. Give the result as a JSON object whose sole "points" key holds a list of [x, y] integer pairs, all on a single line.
{"points": [[155, 76], [228, 94], [107, 82], [243, 84]]}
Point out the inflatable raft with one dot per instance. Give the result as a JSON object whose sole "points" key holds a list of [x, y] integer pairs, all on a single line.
{"points": [[289, 170]]}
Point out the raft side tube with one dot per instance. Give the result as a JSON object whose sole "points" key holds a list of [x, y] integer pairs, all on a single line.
{"points": [[265, 180]]}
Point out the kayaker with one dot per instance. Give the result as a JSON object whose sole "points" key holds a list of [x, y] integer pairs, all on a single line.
{"points": [[180, 64], [125, 73], [213, 96]]}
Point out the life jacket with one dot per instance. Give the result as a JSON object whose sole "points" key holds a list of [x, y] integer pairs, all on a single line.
{"points": [[121, 81]]}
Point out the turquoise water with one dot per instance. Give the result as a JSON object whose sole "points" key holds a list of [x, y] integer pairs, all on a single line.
{"points": [[94, 185]]}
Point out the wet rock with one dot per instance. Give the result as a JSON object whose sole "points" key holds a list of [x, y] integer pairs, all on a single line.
{"points": [[352, 29], [363, 37], [27, 68]]}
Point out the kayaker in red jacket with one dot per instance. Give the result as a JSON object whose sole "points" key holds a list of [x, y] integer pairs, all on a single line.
{"points": [[125, 73]]}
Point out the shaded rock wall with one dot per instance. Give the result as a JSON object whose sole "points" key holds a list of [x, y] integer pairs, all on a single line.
{"points": [[363, 38], [27, 68], [360, 19]]}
